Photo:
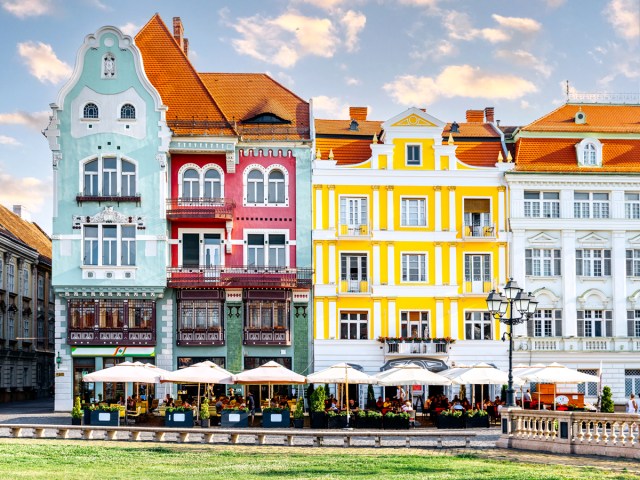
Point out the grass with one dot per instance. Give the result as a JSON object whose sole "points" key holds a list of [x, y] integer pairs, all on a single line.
{"points": [[68, 460]]}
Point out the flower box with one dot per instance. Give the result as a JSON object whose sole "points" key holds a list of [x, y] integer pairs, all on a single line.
{"points": [[276, 419], [337, 421], [177, 419], [396, 421], [477, 421], [449, 421], [105, 418], [318, 420], [234, 418]]}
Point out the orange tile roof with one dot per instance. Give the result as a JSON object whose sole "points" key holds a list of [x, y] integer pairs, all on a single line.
{"points": [[471, 130], [179, 85], [242, 96], [346, 151], [602, 118], [559, 155], [27, 232], [341, 127], [479, 154]]}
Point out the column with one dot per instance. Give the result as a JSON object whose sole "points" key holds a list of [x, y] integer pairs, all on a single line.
{"points": [[391, 319], [453, 264], [301, 331], [390, 208], [332, 207], [333, 266], [438, 208], [453, 319], [569, 283], [376, 208], [439, 317], [319, 264], [438, 263], [375, 264], [319, 207], [332, 320], [391, 260], [502, 263], [501, 209], [234, 330], [452, 209], [318, 316], [377, 319], [619, 279]]}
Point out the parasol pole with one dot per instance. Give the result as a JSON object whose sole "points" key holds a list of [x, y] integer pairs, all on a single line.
{"points": [[346, 389], [198, 411]]}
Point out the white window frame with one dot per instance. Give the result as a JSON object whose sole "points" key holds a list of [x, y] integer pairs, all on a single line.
{"points": [[423, 324], [266, 171], [631, 381], [483, 318], [404, 207], [1, 273], [593, 262], [201, 171], [11, 277], [409, 146], [485, 278], [266, 246], [423, 267], [589, 153], [592, 207], [201, 233], [632, 205], [359, 321], [118, 173], [127, 119], [360, 209], [541, 207], [279, 186], [543, 262], [591, 319], [100, 241], [632, 262], [544, 322], [26, 283]]}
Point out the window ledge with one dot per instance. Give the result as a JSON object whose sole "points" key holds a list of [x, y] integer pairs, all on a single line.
{"points": [[593, 279], [127, 120], [89, 120], [108, 267], [547, 277]]}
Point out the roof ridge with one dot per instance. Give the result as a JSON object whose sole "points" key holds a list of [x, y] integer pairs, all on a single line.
{"points": [[544, 116]]}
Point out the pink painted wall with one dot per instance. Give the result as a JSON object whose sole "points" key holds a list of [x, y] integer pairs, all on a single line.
{"points": [[282, 218]]}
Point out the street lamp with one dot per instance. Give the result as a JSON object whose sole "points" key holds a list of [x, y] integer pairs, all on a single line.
{"points": [[58, 360], [503, 308]]}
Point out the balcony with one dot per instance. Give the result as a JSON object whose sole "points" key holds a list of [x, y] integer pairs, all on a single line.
{"points": [[408, 349], [579, 344], [478, 232], [216, 208], [354, 286], [247, 276], [478, 287], [200, 336], [267, 336], [354, 231], [112, 336], [117, 199]]}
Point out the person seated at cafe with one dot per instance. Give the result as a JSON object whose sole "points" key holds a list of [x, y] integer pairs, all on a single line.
{"points": [[121, 400], [386, 406], [219, 403], [379, 403], [456, 406], [407, 407], [131, 403], [333, 406], [352, 405]]}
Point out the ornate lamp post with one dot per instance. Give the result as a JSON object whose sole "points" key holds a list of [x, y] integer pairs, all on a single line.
{"points": [[506, 309]]}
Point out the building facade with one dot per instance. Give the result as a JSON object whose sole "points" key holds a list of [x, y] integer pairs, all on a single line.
{"points": [[409, 237], [575, 218], [109, 142], [26, 309]]}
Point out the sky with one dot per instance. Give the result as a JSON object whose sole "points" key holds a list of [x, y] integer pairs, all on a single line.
{"points": [[443, 55]]}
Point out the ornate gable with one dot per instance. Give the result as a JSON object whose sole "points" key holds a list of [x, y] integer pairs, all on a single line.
{"points": [[413, 120]]}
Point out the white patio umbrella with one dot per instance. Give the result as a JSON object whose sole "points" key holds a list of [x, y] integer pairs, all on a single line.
{"points": [[127, 372], [481, 374], [521, 369], [271, 373], [410, 375]]}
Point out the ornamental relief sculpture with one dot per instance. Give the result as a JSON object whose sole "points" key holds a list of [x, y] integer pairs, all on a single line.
{"points": [[108, 215]]}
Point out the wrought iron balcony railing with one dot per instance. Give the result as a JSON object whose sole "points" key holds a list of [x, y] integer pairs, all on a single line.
{"points": [[112, 336], [200, 208], [239, 277], [267, 336], [201, 336]]}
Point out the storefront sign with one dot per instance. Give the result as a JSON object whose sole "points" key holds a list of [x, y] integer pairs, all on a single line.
{"points": [[114, 351]]}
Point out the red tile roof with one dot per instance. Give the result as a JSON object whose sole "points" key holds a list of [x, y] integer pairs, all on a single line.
{"points": [[345, 151], [479, 154], [27, 232], [342, 127], [471, 130], [603, 118]]}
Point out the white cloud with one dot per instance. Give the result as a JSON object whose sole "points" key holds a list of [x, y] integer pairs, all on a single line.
{"points": [[353, 23], [524, 25], [428, 51], [99, 5], [130, 28], [43, 62], [36, 120], [285, 79], [555, 3], [6, 140], [524, 104], [420, 3], [31, 192], [525, 59], [457, 81], [329, 107], [624, 16], [460, 27], [326, 4], [353, 82], [27, 8]]}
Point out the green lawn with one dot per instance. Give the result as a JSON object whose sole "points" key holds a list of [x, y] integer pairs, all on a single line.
{"points": [[93, 460]]}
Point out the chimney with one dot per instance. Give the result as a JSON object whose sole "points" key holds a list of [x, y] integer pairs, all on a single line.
{"points": [[475, 116], [489, 116], [22, 212], [358, 113], [178, 34]]}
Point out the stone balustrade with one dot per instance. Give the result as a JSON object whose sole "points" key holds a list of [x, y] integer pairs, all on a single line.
{"points": [[587, 433]]}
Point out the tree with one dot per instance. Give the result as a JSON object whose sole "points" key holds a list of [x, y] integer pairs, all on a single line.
{"points": [[317, 399], [463, 393], [606, 405], [371, 398]]}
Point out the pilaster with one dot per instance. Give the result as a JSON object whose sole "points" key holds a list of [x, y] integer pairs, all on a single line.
{"points": [[234, 330], [569, 283]]}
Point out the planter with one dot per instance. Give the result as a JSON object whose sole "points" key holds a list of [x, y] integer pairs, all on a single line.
{"points": [[318, 420], [104, 418], [86, 416], [395, 423], [234, 418], [214, 421], [338, 421], [477, 422], [298, 422], [446, 421], [276, 420], [76, 421], [205, 423], [179, 419]]}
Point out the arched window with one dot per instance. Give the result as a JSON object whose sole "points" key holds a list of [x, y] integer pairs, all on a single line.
{"points": [[90, 111], [128, 180], [212, 184], [255, 187], [128, 112], [91, 178], [589, 156], [190, 184], [276, 187]]}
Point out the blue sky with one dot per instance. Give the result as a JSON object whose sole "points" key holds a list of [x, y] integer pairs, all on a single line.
{"points": [[443, 55]]}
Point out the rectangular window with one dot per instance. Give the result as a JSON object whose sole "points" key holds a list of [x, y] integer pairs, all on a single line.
{"points": [[593, 262], [200, 314], [109, 245], [414, 324], [546, 322], [413, 155], [632, 205], [413, 212], [595, 323], [414, 267], [109, 177], [11, 325], [101, 247], [590, 389], [11, 278], [111, 314], [541, 204], [40, 287], [477, 326], [354, 326], [90, 245], [633, 323], [277, 250], [590, 205], [353, 271], [128, 245], [477, 273], [542, 262], [631, 381], [267, 315], [353, 213], [255, 250], [1, 274], [633, 263], [128, 179], [26, 291]]}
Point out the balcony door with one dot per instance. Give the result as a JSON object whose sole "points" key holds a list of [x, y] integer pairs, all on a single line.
{"points": [[354, 271], [202, 250], [477, 271]]}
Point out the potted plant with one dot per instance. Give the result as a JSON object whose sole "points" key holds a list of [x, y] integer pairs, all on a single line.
{"points": [[606, 403], [476, 419], [374, 419], [76, 412], [204, 414], [450, 419], [178, 417], [336, 419], [276, 417], [104, 415], [317, 408], [235, 417], [298, 414]]}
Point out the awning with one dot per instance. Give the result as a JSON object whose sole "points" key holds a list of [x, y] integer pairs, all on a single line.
{"points": [[431, 364]]}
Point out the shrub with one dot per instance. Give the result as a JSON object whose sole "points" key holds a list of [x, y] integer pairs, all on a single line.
{"points": [[204, 409], [299, 411], [104, 408], [371, 397], [317, 399], [606, 403], [274, 409], [374, 414], [76, 412], [177, 409]]}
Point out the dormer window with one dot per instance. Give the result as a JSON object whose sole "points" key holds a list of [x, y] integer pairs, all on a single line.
{"points": [[90, 111], [128, 112], [589, 153], [266, 117]]}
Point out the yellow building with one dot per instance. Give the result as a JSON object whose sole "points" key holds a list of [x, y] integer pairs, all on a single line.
{"points": [[409, 237]]}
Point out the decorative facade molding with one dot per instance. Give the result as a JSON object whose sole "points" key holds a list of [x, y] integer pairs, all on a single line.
{"points": [[108, 215]]}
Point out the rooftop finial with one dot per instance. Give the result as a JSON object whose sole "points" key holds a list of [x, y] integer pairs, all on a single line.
{"points": [[509, 158], [331, 154], [450, 140], [318, 154], [375, 138], [500, 157]]}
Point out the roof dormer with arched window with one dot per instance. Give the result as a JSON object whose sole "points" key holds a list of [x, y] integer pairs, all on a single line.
{"points": [[589, 153]]}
